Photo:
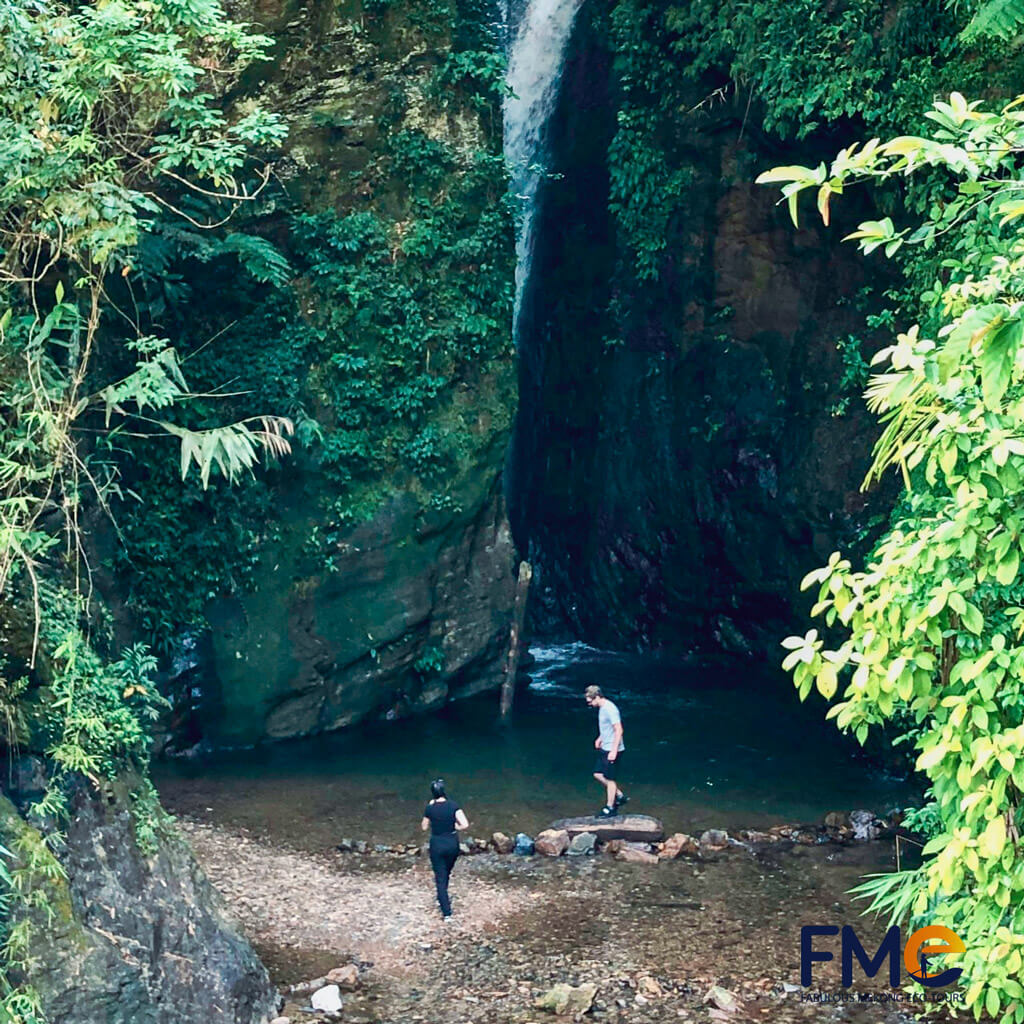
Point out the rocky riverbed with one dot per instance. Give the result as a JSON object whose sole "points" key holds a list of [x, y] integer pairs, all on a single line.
{"points": [[712, 938]]}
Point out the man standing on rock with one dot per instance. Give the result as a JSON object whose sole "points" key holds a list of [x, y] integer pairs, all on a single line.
{"points": [[609, 748]]}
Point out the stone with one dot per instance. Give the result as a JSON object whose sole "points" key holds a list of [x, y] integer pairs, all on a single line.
{"points": [[327, 999], [836, 820], [723, 999], [631, 855], [753, 836], [346, 978], [464, 849], [310, 985], [649, 987], [637, 827], [714, 840], [866, 825], [582, 844], [564, 999], [677, 845], [524, 845], [281, 1020], [502, 843], [552, 842]]}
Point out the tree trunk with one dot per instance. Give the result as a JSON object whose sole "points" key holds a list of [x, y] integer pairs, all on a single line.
{"points": [[508, 685]]}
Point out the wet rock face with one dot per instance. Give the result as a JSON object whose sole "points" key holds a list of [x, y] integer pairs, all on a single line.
{"points": [[679, 466], [411, 619], [136, 938]]}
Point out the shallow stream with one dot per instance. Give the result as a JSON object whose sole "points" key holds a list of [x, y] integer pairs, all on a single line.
{"points": [[720, 746]]}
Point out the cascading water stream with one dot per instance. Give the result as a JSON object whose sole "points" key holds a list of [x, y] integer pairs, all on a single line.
{"points": [[538, 42]]}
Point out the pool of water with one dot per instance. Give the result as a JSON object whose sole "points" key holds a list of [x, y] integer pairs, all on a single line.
{"points": [[723, 745]]}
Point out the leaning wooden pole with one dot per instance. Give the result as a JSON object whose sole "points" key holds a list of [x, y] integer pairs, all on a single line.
{"points": [[508, 684]]}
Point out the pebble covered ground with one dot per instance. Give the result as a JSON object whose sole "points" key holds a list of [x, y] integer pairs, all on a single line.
{"points": [[693, 940]]}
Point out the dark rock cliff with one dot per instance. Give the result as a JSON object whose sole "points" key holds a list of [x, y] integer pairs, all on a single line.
{"points": [[678, 465], [122, 936]]}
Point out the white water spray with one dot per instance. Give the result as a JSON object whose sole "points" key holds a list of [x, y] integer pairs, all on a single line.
{"points": [[535, 67]]}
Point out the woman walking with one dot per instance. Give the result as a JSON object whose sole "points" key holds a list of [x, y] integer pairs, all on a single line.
{"points": [[443, 817]]}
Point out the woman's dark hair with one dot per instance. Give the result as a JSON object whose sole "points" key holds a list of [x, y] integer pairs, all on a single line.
{"points": [[437, 789]]}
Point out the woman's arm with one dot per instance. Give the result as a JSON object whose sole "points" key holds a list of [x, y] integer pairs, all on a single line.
{"points": [[425, 824], [460, 819]]}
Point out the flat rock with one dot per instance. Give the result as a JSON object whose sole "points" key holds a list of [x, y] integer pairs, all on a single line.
{"points": [[637, 827], [346, 978]]}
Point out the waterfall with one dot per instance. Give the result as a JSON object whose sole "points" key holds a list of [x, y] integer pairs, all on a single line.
{"points": [[538, 41]]}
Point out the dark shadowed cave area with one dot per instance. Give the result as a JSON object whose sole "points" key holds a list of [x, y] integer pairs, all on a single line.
{"points": [[677, 467]]}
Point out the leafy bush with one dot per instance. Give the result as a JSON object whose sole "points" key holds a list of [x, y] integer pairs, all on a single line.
{"points": [[930, 631]]}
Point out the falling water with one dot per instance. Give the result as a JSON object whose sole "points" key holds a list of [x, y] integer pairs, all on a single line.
{"points": [[539, 39]]}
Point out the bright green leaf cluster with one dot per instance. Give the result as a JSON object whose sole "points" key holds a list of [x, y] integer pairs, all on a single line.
{"points": [[932, 630]]}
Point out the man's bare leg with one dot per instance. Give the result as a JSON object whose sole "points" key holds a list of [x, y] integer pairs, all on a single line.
{"points": [[612, 791]]}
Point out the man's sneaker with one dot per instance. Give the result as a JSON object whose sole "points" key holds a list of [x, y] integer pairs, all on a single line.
{"points": [[606, 812], [620, 801]]}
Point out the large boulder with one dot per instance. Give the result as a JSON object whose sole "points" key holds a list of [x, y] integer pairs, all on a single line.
{"points": [[133, 935]]}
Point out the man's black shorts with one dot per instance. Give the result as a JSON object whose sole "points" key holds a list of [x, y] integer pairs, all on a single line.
{"points": [[602, 766]]}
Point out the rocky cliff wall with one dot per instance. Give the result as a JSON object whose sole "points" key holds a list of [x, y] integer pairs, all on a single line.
{"points": [[688, 447], [371, 573], [118, 935]]}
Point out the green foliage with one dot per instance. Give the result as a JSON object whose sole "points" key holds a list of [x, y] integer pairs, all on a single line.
{"points": [[425, 304], [648, 182], [396, 304], [995, 19], [854, 375], [932, 630], [110, 124], [477, 74]]}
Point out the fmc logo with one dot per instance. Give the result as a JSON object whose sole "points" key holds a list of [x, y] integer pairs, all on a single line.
{"points": [[915, 955]]}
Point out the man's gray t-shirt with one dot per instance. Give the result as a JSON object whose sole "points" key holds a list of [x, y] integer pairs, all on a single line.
{"points": [[607, 718]]}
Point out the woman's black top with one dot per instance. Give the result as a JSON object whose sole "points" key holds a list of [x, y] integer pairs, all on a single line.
{"points": [[442, 817]]}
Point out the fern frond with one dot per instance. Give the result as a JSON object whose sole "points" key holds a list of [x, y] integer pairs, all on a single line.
{"points": [[260, 258], [996, 19]]}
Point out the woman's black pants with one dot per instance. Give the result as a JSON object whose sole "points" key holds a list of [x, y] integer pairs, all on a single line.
{"points": [[444, 852]]}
